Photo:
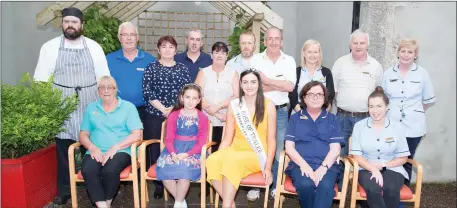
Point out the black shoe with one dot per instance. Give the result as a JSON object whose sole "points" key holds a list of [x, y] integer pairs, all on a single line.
{"points": [[60, 200], [158, 194]]}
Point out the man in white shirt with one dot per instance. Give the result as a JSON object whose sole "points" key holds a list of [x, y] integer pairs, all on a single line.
{"points": [[355, 76], [77, 63], [278, 75], [243, 60]]}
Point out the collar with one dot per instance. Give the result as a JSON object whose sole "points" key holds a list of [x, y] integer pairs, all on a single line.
{"points": [[413, 67], [200, 57], [239, 59], [119, 104], [303, 68], [264, 55], [386, 122], [368, 60], [304, 112], [140, 55]]}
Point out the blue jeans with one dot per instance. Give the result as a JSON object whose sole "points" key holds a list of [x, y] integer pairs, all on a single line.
{"points": [[281, 126], [347, 125], [311, 196]]}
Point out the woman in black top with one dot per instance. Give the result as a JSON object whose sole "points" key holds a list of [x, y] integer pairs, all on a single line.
{"points": [[162, 82], [311, 69]]}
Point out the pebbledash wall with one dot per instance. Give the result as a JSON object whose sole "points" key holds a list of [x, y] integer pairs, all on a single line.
{"points": [[433, 24]]}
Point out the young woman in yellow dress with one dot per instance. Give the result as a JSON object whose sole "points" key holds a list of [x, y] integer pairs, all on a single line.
{"points": [[248, 145]]}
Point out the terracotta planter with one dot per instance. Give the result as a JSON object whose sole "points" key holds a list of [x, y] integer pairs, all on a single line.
{"points": [[31, 180]]}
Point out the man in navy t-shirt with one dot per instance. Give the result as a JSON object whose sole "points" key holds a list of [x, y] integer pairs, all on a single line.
{"points": [[193, 57]]}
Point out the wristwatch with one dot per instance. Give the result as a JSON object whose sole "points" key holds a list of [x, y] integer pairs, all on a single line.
{"points": [[324, 165], [384, 167]]}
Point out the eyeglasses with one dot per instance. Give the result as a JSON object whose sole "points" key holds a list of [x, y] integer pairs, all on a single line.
{"points": [[314, 96], [108, 88], [128, 35]]}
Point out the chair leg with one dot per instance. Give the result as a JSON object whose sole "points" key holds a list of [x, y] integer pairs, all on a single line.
{"points": [[216, 200], [144, 195], [203, 194], [136, 197], [265, 201], [277, 200], [74, 201], [211, 194], [147, 191], [165, 193], [353, 202], [281, 200]]}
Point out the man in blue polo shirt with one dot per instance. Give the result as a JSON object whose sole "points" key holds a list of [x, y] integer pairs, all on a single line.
{"points": [[127, 66], [193, 57]]}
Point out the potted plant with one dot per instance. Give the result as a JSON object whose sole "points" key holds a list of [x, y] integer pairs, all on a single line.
{"points": [[32, 114]]}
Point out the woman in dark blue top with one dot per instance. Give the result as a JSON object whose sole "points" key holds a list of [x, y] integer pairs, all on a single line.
{"points": [[162, 82], [313, 139]]}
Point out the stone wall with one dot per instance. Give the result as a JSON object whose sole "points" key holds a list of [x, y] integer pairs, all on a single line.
{"points": [[433, 24]]}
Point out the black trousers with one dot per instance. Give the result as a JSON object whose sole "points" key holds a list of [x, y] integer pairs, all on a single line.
{"points": [[413, 142], [152, 130], [63, 173], [387, 196], [217, 137], [102, 182]]}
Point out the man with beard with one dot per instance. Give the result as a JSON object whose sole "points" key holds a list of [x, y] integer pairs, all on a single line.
{"points": [[247, 47], [193, 57], [77, 63], [278, 75]]}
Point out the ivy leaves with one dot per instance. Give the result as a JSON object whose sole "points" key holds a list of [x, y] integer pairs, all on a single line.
{"points": [[102, 29]]}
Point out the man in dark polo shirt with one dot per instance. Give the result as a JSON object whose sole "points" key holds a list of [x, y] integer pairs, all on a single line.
{"points": [[193, 57]]}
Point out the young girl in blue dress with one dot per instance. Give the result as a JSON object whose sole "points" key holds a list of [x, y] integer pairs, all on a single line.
{"points": [[187, 132]]}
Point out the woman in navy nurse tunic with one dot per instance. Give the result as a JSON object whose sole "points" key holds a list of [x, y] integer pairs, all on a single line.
{"points": [[313, 143]]}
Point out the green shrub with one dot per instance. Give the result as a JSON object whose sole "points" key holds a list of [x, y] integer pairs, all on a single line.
{"points": [[32, 114]]}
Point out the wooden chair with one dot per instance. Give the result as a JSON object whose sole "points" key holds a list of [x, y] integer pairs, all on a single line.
{"points": [[151, 174], [128, 174], [254, 180], [284, 184], [406, 195]]}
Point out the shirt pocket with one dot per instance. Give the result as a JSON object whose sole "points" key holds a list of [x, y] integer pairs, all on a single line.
{"points": [[415, 87]]}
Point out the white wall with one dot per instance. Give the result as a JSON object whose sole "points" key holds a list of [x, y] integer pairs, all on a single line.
{"points": [[22, 38]]}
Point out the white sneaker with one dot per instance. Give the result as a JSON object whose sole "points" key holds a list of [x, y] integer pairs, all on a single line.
{"points": [[253, 194], [182, 204], [272, 193]]}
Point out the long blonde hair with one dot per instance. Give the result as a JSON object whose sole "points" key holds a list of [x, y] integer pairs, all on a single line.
{"points": [[307, 44]]}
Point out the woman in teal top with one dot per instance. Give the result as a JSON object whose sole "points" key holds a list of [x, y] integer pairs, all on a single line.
{"points": [[110, 126]]}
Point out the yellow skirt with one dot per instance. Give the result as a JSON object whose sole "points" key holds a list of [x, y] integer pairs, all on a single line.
{"points": [[233, 164]]}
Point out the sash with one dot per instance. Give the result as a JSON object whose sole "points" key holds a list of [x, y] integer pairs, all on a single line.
{"points": [[249, 131]]}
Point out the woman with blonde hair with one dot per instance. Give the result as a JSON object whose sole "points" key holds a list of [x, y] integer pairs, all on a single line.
{"points": [[410, 91], [109, 127], [311, 69]]}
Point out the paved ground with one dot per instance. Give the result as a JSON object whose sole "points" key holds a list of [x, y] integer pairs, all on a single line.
{"points": [[433, 196]]}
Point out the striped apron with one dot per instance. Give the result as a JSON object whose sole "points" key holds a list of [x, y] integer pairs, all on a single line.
{"points": [[75, 73]]}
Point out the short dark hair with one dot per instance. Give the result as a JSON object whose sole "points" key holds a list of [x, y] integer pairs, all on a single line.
{"points": [[307, 88], [169, 39], [379, 92], [219, 46]]}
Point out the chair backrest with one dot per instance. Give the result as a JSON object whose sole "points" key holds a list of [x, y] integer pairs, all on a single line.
{"points": [[163, 134]]}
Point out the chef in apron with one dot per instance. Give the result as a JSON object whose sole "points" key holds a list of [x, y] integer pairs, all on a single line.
{"points": [[76, 63]]}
